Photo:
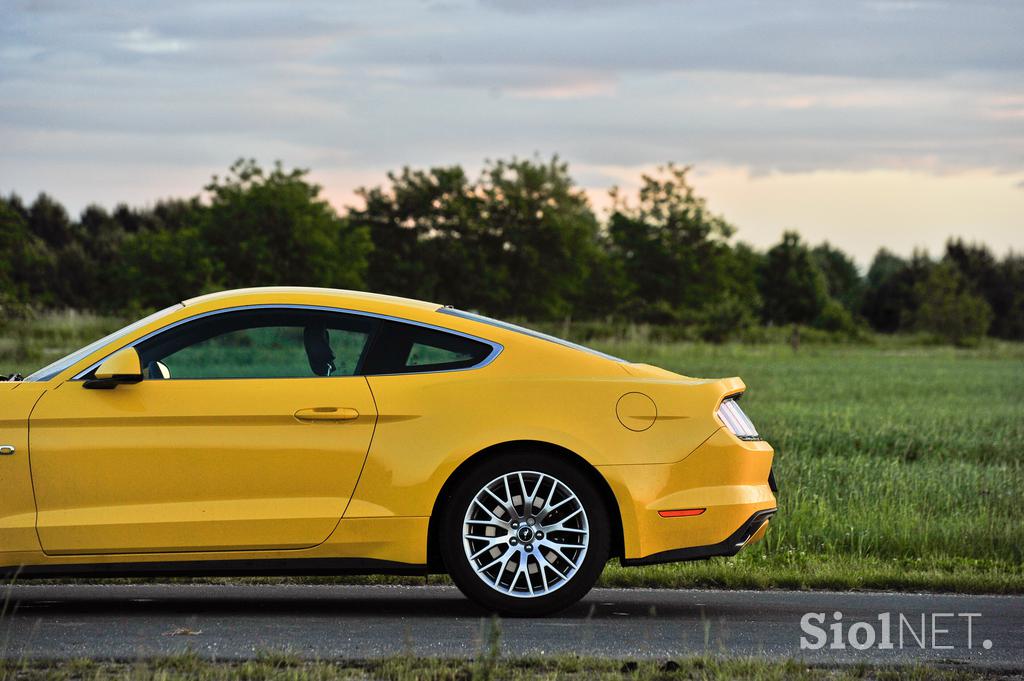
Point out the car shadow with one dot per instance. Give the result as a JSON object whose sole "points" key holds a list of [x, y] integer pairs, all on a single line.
{"points": [[274, 601]]}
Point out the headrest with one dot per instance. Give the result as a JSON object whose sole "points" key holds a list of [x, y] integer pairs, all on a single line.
{"points": [[318, 350]]}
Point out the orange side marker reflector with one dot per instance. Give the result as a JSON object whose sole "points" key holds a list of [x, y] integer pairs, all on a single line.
{"points": [[681, 513]]}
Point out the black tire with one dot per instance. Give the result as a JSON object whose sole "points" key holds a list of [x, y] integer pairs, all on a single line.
{"points": [[568, 591]]}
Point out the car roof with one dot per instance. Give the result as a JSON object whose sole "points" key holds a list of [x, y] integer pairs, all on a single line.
{"points": [[336, 294], [408, 309]]}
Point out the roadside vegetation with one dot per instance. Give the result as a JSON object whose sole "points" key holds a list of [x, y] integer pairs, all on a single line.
{"points": [[899, 463], [286, 668]]}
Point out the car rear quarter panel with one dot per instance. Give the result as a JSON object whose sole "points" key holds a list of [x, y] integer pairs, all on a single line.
{"points": [[429, 424]]}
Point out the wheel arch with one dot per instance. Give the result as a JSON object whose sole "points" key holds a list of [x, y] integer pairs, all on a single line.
{"points": [[434, 560]]}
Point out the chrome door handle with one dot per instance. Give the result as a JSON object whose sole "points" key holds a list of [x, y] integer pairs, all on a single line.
{"points": [[6, 450], [315, 414]]}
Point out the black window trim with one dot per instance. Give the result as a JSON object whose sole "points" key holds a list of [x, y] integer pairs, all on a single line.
{"points": [[496, 348], [515, 328]]}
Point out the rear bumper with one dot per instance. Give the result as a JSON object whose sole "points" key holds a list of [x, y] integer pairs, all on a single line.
{"points": [[750, 531], [727, 477]]}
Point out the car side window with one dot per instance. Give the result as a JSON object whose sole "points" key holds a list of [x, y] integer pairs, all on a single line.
{"points": [[407, 348], [259, 343]]}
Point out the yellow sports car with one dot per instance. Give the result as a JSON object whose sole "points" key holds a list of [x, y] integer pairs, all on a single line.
{"points": [[312, 431]]}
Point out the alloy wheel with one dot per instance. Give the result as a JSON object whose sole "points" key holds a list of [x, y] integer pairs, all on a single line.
{"points": [[525, 534]]}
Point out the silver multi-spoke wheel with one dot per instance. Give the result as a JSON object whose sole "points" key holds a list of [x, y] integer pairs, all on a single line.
{"points": [[525, 534]]}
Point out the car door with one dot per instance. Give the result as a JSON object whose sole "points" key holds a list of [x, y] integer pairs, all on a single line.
{"points": [[17, 507], [248, 431]]}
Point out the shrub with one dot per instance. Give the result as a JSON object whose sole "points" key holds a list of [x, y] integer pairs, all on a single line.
{"points": [[836, 318], [949, 310]]}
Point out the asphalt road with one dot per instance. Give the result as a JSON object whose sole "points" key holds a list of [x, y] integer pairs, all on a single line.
{"points": [[356, 622]]}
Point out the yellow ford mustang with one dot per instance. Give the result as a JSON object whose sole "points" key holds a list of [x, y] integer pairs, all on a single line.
{"points": [[314, 431]]}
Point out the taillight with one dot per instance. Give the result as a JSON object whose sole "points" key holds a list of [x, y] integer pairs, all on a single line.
{"points": [[736, 421]]}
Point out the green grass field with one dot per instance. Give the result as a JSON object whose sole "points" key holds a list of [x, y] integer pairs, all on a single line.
{"points": [[900, 465]]}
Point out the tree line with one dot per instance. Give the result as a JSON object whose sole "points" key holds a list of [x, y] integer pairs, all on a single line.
{"points": [[520, 241]]}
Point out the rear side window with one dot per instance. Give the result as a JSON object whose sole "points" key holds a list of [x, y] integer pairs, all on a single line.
{"points": [[406, 348], [526, 332]]}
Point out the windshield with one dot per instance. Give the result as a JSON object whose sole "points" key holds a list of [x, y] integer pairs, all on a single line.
{"points": [[51, 370], [525, 331]]}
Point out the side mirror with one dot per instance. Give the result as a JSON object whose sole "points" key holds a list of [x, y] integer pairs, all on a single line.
{"points": [[122, 367]]}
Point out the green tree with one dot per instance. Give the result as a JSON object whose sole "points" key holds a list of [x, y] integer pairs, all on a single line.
{"points": [[547, 236], [429, 238], [162, 266], [740, 306], [168, 214], [14, 203], [743, 265], [163, 255], [1001, 284], [892, 294], [672, 248], [949, 309], [100, 240], [1008, 319], [520, 241], [793, 287], [264, 228], [48, 220], [607, 288], [841, 275], [26, 263]]}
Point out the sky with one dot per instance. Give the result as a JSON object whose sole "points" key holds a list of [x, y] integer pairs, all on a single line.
{"points": [[864, 123]]}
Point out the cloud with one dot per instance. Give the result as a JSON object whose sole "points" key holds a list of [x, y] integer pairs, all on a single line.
{"points": [[561, 7], [145, 41], [808, 37], [797, 87]]}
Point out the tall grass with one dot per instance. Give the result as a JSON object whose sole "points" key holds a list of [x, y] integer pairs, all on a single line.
{"points": [[28, 344]]}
